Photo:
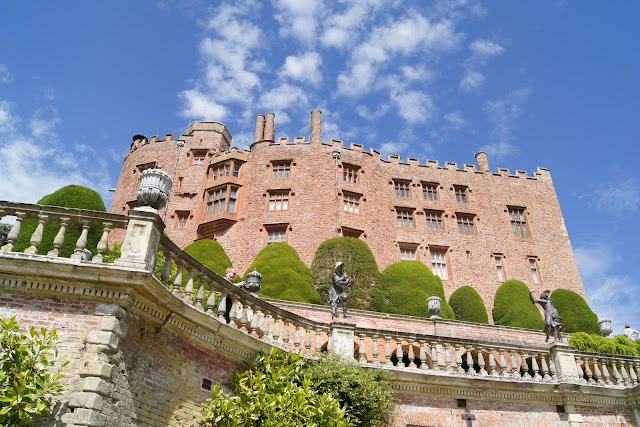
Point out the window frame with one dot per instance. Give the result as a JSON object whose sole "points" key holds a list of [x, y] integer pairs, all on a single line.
{"points": [[434, 195], [182, 220], [534, 269], [350, 173], [439, 220], [499, 264], [519, 225], [198, 157], [466, 221], [281, 229], [405, 215], [226, 200], [349, 200], [442, 265], [461, 193], [402, 188], [409, 248], [278, 198], [281, 169]]}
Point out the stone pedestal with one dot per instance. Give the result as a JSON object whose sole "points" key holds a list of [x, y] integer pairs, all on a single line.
{"points": [[565, 362], [141, 240], [341, 337]]}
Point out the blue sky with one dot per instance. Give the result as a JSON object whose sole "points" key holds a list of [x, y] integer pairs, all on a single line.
{"points": [[534, 83]]}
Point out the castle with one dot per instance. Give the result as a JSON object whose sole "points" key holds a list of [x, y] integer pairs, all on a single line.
{"points": [[470, 225]]}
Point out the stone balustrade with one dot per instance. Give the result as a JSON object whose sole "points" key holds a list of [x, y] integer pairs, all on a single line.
{"points": [[606, 369]]}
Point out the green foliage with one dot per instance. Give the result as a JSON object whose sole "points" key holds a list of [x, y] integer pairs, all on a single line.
{"points": [[592, 343], [575, 312], [403, 288], [210, 253], [284, 275], [468, 306], [365, 393], [360, 265], [28, 380], [512, 307], [276, 390], [71, 196], [4, 232]]}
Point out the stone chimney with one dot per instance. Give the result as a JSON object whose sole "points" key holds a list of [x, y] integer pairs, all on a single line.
{"points": [[316, 126], [259, 135], [270, 127], [482, 161]]}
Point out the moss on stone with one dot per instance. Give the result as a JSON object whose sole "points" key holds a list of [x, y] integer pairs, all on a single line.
{"points": [[210, 253], [512, 307], [284, 275], [360, 265], [403, 288], [575, 312], [468, 306]]}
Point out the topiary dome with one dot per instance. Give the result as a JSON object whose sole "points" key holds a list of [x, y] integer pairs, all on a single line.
{"points": [[512, 307], [468, 306], [575, 312], [210, 253]]}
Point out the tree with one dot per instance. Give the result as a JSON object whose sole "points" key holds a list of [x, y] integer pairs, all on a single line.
{"points": [[360, 265], [512, 307], [28, 378], [210, 253], [575, 312], [468, 306]]}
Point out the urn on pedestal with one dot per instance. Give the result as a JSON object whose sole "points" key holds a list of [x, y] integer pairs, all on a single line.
{"points": [[434, 304], [153, 189]]}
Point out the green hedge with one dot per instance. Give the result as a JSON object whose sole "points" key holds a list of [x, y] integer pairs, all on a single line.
{"points": [[512, 307], [284, 275], [620, 344], [210, 253], [360, 265], [71, 196], [575, 312], [403, 288], [468, 306]]}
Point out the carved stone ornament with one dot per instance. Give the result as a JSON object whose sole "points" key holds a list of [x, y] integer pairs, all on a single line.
{"points": [[434, 304], [153, 188], [253, 281], [605, 326]]}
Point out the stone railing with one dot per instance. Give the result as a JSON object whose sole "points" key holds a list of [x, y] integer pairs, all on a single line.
{"points": [[606, 369]]}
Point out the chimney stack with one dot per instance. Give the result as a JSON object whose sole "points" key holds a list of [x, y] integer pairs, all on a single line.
{"points": [[482, 161], [270, 127], [316, 126], [259, 135]]}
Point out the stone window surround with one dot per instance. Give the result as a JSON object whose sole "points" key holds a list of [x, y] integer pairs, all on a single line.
{"points": [[350, 173], [440, 254], [434, 217], [281, 169], [519, 219], [225, 202], [278, 200], [498, 262], [409, 251], [405, 217], [351, 202], [534, 267], [461, 193], [402, 188], [181, 219], [466, 223], [199, 156], [430, 190], [277, 231]]}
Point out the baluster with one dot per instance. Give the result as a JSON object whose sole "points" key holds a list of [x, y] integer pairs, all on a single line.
{"points": [[318, 340], [362, 350], [587, 371], [244, 319], [616, 373], [579, 369], [492, 363], [423, 355], [524, 367], [200, 294], [36, 237], [81, 244], [276, 330], [166, 268], [103, 244], [535, 368], [387, 351], [296, 339], [177, 282], [434, 356], [632, 374], [411, 353], [514, 364], [470, 368], [623, 373], [58, 241], [268, 321], [504, 369], [233, 314], [286, 336], [255, 324], [448, 348], [188, 289], [597, 375], [483, 372], [399, 353], [458, 354], [307, 340], [375, 350], [605, 372], [222, 306], [14, 233], [552, 368], [545, 368]]}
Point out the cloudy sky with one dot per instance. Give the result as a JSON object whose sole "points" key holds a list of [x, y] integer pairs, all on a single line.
{"points": [[534, 83]]}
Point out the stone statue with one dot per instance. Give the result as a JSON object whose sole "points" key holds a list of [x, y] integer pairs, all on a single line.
{"points": [[552, 320], [336, 293]]}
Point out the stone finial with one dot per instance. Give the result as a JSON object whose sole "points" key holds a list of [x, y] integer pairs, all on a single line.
{"points": [[260, 122], [270, 127], [483, 162], [316, 126]]}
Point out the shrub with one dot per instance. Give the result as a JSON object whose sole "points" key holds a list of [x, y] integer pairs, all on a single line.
{"points": [[360, 265], [468, 306], [71, 196], [403, 288], [210, 253], [592, 343], [276, 390], [28, 380], [575, 312], [512, 307], [284, 275]]}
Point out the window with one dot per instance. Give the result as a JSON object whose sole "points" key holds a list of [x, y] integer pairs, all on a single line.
{"points": [[278, 200], [461, 194], [221, 170], [146, 166], [233, 195], [465, 224], [430, 191], [408, 251], [350, 173], [198, 157], [434, 220], [351, 202], [236, 170], [181, 220], [221, 199], [439, 263], [499, 267], [351, 232], [404, 218], [402, 188], [281, 169], [276, 233], [535, 274], [518, 222]]}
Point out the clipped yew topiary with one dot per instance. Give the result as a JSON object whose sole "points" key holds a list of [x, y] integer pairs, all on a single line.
{"points": [[210, 253], [512, 307], [575, 312], [468, 306], [284, 275], [360, 265], [71, 196], [403, 288]]}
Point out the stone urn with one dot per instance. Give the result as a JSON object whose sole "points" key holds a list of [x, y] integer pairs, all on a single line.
{"points": [[434, 304], [253, 281], [605, 326], [153, 189]]}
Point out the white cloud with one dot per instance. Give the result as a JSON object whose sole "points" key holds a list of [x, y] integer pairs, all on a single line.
{"points": [[5, 77], [618, 198], [485, 48], [343, 29], [298, 18], [8, 121], [471, 80], [369, 114], [304, 68], [455, 119], [392, 147], [44, 122], [282, 97], [413, 106], [199, 107]]}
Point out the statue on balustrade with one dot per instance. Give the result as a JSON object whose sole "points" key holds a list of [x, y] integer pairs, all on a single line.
{"points": [[337, 294], [552, 320]]}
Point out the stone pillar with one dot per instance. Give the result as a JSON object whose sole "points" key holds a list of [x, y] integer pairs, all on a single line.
{"points": [[482, 161], [316, 126], [259, 135], [270, 127], [141, 240], [565, 362], [341, 336], [574, 419]]}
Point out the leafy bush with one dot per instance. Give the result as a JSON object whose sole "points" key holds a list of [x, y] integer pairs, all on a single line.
{"points": [[620, 344], [210, 253], [575, 312], [28, 380], [512, 307], [468, 306], [276, 390], [284, 275], [71, 196], [403, 288], [365, 393], [360, 265]]}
